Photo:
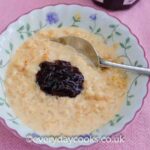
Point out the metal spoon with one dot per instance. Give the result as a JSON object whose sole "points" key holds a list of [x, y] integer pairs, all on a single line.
{"points": [[86, 48]]}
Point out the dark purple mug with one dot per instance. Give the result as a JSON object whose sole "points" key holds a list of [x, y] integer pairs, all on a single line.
{"points": [[116, 4]]}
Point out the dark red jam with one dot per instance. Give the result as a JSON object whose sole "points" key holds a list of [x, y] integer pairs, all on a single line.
{"points": [[116, 4], [60, 78]]}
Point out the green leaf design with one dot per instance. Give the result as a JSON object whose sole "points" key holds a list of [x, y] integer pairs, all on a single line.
{"points": [[128, 47], [15, 122], [119, 118], [74, 19], [1, 62], [135, 83], [111, 123], [112, 26], [21, 36], [118, 33], [128, 103], [91, 28], [117, 115], [127, 40], [74, 25], [136, 62], [60, 25], [29, 34], [98, 30], [108, 37], [7, 51], [122, 45], [21, 28], [130, 96], [140, 65], [11, 46], [9, 114], [28, 27]]}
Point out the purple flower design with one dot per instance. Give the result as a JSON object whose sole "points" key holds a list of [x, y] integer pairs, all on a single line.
{"points": [[34, 135], [93, 17], [52, 18]]}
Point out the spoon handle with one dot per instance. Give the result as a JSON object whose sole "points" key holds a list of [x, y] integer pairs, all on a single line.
{"points": [[139, 70]]}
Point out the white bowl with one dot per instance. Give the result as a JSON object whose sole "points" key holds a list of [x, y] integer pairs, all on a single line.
{"points": [[98, 22]]}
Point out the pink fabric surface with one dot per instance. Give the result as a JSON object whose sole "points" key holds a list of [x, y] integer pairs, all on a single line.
{"points": [[137, 133]]}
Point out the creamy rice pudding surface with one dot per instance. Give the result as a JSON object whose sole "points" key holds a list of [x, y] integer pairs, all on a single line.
{"points": [[101, 98]]}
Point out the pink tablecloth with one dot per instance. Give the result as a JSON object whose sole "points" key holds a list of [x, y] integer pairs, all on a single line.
{"points": [[137, 133]]}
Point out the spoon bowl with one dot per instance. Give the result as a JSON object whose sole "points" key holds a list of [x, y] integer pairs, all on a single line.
{"points": [[81, 45], [86, 48]]}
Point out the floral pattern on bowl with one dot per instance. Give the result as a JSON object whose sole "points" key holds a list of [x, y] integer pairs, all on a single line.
{"points": [[97, 22]]}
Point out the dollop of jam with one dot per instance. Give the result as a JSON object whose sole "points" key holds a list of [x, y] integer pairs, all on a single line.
{"points": [[60, 78]]}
